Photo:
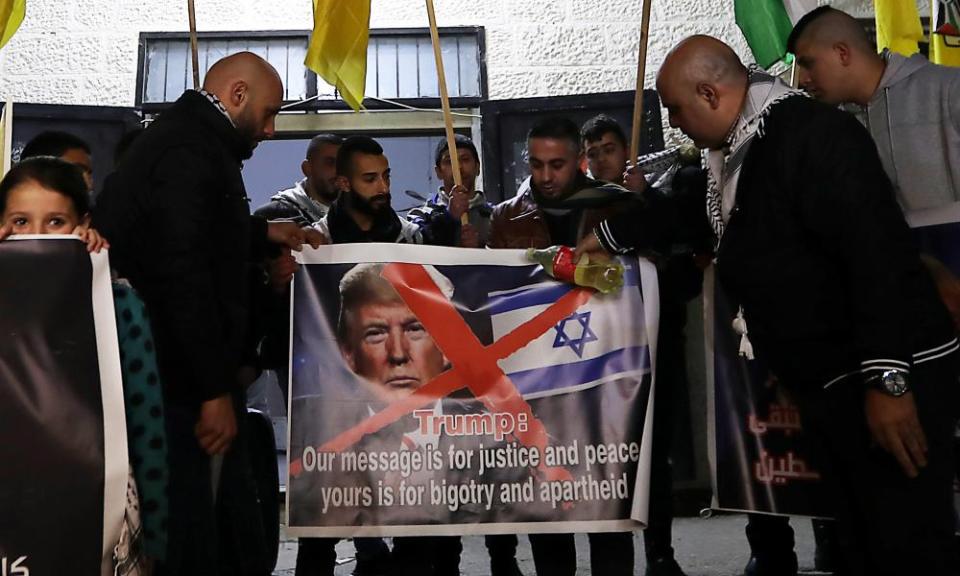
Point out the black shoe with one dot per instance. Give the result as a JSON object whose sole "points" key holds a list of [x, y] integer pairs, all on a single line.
{"points": [[665, 566], [505, 568], [781, 566]]}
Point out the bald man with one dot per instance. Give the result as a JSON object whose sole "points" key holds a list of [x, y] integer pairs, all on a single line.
{"points": [[812, 246], [180, 227], [910, 106]]}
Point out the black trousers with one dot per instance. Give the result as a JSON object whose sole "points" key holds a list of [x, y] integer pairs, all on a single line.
{"points": [[318, 556], [889, 524], [193, 536]]}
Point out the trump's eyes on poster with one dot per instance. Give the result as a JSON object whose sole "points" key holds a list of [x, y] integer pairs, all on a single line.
{"points": [[445, 391]]}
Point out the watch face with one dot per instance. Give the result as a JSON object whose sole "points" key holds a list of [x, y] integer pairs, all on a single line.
{"points": [[895, 383]]}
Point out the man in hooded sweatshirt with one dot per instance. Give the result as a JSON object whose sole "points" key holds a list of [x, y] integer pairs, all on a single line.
{"points": [[910, 106], [308, 200]]}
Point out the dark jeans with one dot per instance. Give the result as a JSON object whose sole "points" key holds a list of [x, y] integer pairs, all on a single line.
{"points": [[889, 524]]}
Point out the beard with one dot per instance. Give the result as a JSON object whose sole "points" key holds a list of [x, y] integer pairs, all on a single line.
{"points": [[378, 204], [247, 128]]}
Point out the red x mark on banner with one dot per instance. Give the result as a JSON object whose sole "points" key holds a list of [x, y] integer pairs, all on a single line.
{"points": [[474, 365]]}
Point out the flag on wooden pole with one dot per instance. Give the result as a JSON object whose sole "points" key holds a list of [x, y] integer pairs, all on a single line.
{"points": [[898, 26], [11, 15], [766, 24], [338, 46]]}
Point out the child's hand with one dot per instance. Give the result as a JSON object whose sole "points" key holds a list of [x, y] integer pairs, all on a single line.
{"points": [[5, 231], [95, 242]]}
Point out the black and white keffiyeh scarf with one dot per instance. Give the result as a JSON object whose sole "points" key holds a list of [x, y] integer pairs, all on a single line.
{"points": [[764, 92], [723, 166]]}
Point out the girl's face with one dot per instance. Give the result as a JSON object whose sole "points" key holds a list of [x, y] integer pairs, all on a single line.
{"points": [[33, 209]]}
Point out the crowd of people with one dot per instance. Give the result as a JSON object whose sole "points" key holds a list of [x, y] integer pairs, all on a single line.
{"points": [[799, 205]]}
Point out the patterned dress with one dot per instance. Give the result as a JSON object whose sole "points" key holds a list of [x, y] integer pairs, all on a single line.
{"points": [[146, 437]]}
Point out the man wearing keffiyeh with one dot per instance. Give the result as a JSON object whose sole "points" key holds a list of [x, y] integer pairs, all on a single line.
{"points": [[814, 249]]}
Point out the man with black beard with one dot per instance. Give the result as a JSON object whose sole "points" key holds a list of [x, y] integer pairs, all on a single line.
{"points": [[363, 213]]}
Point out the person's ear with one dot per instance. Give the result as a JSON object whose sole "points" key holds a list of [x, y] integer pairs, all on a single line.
{"points": [[305, 168], [709, 94], [239, 93], [843, 52], [342, 183]]}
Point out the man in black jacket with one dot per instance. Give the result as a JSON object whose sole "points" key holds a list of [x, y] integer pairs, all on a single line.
{"points": [[813, 247], [180, 230]]}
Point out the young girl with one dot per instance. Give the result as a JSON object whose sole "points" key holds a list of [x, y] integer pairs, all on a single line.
{"points": [[46, 195], [39, 196]]}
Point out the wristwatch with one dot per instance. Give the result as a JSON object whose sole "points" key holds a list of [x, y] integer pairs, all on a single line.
{"points": [[893, 382]]}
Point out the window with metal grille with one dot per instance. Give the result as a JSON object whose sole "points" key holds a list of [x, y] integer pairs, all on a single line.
{"points": [[400, 66]]}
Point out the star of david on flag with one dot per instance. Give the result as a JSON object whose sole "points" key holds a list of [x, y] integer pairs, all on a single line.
{"points": [[585, 333]]}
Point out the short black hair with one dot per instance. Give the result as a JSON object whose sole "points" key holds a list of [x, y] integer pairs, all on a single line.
{"points": [[322, 140], [557, 128], [800, 27], [53, 174], [53, 143], [594, 129], [460, 141], [352, 146]]}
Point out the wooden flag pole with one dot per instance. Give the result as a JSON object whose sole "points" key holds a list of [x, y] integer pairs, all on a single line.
{"points": [[445, 103], [192, 13], [7, 135], [641, 72]]}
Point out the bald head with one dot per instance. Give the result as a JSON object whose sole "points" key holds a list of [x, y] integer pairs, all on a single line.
{"points": [[836, 61], [250, 90], [702, 59], [702, 84]]}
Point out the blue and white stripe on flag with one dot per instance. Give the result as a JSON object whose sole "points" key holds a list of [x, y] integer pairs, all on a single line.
{"points": [[603, 340]]}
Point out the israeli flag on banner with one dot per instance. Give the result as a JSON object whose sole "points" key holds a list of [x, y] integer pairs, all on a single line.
{"points": [[603, 340]]}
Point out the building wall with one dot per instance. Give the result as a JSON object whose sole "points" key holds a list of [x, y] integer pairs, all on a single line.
{"points": [[86, 52]]}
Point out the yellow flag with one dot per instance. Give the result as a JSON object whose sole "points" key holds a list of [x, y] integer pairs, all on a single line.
{"points": [[11, 15], [898, 26], [945, 33], [338, 46]]}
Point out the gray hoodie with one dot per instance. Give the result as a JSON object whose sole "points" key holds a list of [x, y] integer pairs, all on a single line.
{"points": [[914, 118]]}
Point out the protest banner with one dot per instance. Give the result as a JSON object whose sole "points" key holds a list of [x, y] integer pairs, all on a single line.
{"points": [[759, 459], [446, 391], [63, 458]]}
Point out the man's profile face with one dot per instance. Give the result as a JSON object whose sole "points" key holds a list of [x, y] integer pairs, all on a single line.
{"points": [[554, 165], [469, 169], [256, 120], [391, 350], [820, 72], [368, 182], [695, 110], [321, 171], [81, 159], [607, 158]]}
